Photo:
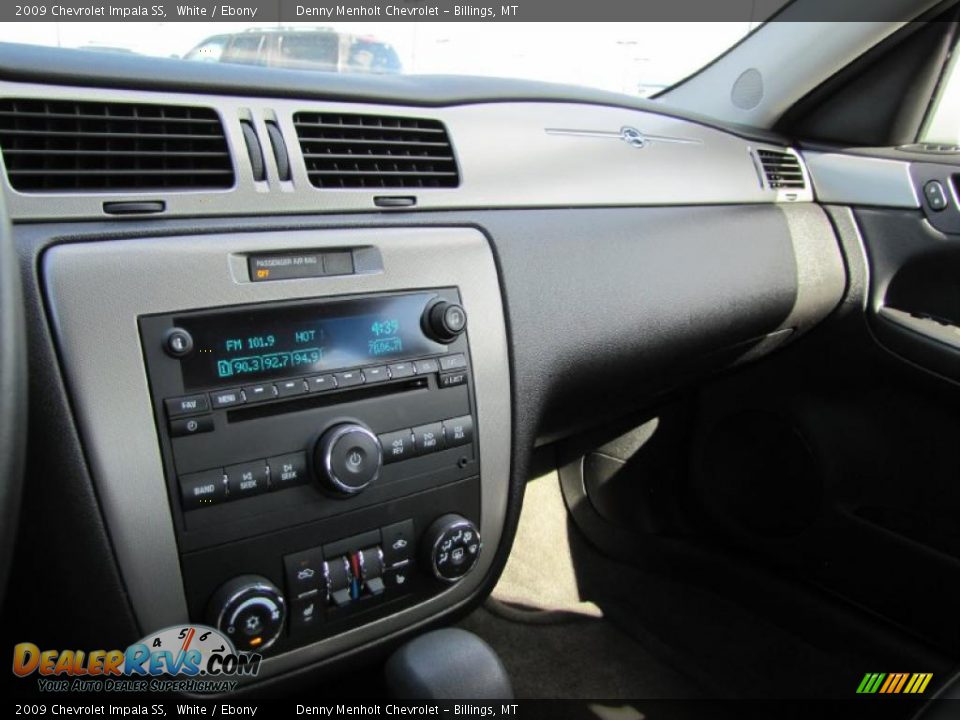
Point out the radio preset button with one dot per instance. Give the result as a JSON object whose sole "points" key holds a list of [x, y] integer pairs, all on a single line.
{"points": [[259, 393], [186, 405], [350, 378], [202, 489], [226, 398], [397, 445], [289, 469], [428, 438], [321, 383], [286, 388], [375, 374], [247, 479], [425, 367], [453, 362], [401, 370], [458, 431], [182, 427]]}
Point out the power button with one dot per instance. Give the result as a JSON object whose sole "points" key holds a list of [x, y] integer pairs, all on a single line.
{"points": [[349, 457]]}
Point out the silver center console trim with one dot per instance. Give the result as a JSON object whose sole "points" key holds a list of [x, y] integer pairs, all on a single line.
{"points": [[97, 290]]}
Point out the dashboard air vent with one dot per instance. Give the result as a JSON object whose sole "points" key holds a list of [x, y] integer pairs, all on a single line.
{"points": [[86, 146], [372, 151], [782, 169]]}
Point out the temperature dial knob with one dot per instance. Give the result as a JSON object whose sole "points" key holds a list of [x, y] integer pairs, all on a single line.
{"points": [[444, 321], [348, 458], [249, 610], [452, 545]]}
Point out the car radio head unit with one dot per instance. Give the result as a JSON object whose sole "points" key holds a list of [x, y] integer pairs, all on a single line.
{"points": [[321, 458]]}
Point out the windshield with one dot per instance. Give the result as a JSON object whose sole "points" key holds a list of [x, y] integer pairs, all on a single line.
{"points": [[638, 59]]}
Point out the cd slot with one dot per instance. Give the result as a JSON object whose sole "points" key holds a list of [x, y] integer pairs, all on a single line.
{"points": [[308, 402]]}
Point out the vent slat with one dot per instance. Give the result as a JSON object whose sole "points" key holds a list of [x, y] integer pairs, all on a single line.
{"points": [[782, 170], [425, 173], [119, 153], [370, 151], [138, 171], [111, 118], [368, 128], [80, 134], [86, 146], [364, 156], [367, 141]]}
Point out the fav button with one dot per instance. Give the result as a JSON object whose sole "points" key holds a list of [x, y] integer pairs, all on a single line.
{"points": [[247, 479], [188, 405]]}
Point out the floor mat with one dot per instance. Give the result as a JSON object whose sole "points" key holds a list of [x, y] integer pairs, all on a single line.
{"points": [[552, 638], [581, 658]]}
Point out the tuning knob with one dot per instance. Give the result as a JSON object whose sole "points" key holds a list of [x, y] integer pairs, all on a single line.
{"points": [[452, 547], [347, 458], [444, 321], [249, 610]]}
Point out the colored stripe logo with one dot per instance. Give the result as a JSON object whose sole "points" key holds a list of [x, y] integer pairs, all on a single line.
{"points": [[894, 683]]}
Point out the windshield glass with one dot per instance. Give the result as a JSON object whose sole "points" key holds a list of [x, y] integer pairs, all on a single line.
{"points": [[638, 59]]}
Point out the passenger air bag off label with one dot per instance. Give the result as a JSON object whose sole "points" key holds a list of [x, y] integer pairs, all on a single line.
{"points": [[285, 267]]}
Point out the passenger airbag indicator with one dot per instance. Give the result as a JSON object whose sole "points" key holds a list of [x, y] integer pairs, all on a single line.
{"points": [[285, 267]]}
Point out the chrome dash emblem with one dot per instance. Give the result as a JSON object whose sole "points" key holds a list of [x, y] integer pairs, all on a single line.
{"points": [[630, 135]]}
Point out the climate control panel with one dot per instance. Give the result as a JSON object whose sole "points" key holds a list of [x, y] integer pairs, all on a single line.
{"points": [[273, 594]]}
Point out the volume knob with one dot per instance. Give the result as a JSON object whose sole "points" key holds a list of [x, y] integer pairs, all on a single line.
{"points": [[348, 458]]}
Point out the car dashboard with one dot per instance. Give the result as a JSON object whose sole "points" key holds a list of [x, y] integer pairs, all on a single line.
{"points": [[291, 357]]}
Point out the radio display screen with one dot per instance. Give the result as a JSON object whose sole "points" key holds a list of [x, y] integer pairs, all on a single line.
{"points": [[238, 347]]}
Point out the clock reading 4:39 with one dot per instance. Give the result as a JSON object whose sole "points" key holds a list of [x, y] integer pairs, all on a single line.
{"points": [[385, 328]]}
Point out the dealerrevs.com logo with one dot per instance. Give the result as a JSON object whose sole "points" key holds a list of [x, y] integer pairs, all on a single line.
{"points": [[192, 658]]}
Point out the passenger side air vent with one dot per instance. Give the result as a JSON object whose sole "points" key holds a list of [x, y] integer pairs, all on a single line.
{"points": [[80, 146], [782, 170], [371, 151]]}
